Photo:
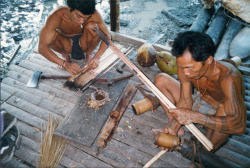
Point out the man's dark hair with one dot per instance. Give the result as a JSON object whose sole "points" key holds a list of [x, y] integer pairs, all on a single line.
{"points": [[200, 45], [86, 7]]}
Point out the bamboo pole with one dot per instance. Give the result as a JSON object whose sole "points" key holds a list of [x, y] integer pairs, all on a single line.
{"points": [[154, 159], [195, 131]]}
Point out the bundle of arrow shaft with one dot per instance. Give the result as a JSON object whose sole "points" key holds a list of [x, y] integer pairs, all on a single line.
{"points": [[88, 76]]}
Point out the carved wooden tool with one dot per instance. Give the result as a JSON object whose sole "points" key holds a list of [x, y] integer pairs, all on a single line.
{"points": [[203, 139], [115, 116], [37, 75]]}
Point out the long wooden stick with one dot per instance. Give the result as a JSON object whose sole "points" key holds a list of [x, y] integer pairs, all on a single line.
{"points": [[154, 158], [196, 132]]}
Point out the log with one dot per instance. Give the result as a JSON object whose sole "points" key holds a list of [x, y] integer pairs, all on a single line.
{"points": [[247, 92], [153, 88], [246, 79], [232, 29], [237, 147], [110, 127], [243, 139], [202, 19], [247, 98], [244, 70], [247, 86], [247, 105], [234, 157], [202, 156], [217, 26], [248, 115], [240, 46]]}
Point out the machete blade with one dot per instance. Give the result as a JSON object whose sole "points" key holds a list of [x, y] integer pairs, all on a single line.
{"points": [[34, 79]]}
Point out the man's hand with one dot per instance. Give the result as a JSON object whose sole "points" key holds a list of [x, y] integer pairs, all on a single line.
{"points": [[72, 68], [93, 63], [183, 116]]}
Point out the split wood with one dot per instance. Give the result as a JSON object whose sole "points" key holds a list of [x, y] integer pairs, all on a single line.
{"points": [[195, 131]]}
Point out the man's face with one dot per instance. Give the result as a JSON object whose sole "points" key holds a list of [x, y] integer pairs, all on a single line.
{"points": [[78, 18], [191, 68]]}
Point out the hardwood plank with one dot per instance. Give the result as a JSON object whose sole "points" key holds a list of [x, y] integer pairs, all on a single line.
{"points": [[15, 162], [117, 160], [137, 139], [32, 135], [27, 155], [36, 100], [14, 83], [23, 115], [29, 131], [83, 124], [83, 158], [33, 67], [134, 155], [28, 107]]}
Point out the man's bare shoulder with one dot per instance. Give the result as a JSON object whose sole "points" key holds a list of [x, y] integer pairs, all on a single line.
{"points": [[59, 12], [227, 68], [228, 71], [97, 17]]}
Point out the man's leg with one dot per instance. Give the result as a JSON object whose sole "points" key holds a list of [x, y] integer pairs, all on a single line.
{"points": [[63, 45], [170, 87], [89, 39]]}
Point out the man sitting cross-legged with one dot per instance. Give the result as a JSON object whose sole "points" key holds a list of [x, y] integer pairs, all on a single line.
{"points": [[219, 87]]}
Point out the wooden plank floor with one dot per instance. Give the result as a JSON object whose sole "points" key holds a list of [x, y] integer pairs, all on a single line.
{"points": [[132, 144]]}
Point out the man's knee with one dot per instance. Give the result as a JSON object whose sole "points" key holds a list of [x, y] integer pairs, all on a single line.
{"points": [[90, 26], [160, 79]]}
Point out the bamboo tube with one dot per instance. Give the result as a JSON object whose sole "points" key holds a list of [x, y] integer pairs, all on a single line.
{"points": [[203, 139]]}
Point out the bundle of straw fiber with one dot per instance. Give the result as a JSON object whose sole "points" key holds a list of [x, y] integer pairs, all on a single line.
{"points": [[52, 148]]}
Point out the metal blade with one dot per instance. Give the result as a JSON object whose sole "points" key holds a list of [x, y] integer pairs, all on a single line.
{"points": [[34, 79]]}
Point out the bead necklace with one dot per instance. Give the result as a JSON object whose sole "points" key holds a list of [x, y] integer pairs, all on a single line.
{"points": [[201, 95]]}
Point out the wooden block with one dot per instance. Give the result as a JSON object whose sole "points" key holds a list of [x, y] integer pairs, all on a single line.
{"points": [[244, 70], [83, 124], [233, 157]]}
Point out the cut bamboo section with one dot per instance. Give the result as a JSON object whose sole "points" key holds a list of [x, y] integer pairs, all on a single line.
{"points": [[195, 131]]}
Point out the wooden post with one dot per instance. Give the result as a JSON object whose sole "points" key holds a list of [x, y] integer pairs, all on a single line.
{"points": [[114, 15]]}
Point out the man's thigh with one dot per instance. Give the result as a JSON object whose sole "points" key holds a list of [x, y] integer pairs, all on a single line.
{"points": [[62, 44]]}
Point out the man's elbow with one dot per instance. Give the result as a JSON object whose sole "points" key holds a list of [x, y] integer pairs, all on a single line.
{"points": [[41, 48], [240, 130]]}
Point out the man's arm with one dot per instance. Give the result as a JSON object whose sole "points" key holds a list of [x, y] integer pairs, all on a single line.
{"points": [[185, 100], [230, 117], [47, 35], [233, 107]]}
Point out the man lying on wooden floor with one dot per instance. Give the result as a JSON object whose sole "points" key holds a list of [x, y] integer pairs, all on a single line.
{"points": [[68, 31], [219, 101]]}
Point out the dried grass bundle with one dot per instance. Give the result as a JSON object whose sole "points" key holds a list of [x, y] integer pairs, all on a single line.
{"points": [[52, 148]]}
